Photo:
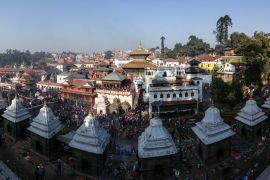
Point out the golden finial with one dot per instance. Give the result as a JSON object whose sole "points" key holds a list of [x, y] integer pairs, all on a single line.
{"points": [[140, 47]]}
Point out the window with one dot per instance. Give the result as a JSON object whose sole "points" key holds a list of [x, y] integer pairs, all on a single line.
{"points": [[198, 82], [161, 95], [192, 94], [168, 96], [165, 74], [155, 96], [186, 94], [174, 95], [180, 94]]}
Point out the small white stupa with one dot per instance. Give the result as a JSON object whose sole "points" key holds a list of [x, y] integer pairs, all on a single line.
{"points": [[266, 103], [212, 128], [3, 102], [90, 137], [16, 112], [45, 124], [156, 141], [251, 114]]}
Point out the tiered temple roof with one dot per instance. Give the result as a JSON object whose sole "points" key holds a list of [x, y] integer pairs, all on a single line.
{"points": [[16, 112], [251, 114], [139, 55], [46, 124], [212, 129], [90, 136], [114, 76], [155, 141], [267, 103], [3, 102]]}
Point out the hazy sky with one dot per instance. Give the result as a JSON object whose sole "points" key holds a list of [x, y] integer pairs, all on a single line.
{"points": [[97, 25]]}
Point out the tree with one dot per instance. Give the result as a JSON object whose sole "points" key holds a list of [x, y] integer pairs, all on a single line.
{"points": [[196, 46], [108, 55], [222, 29], [162, 44], [193, 47], [238, 42]]}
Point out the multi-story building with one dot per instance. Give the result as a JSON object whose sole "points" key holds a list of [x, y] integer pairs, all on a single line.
{"points": [[135, 68], [115, 92], [169, 92], [80, 91]]}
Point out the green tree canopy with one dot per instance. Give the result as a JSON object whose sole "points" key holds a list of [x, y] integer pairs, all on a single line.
{"points": [[193, 47], [108, 54], [222, 29]]}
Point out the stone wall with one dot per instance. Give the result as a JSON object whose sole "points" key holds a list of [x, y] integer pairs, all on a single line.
{"points": [[158, 167], [16, 130], [89, 163]]}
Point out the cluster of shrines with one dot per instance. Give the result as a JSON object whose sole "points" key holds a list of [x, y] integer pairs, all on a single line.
{"points": [[156, 148]]}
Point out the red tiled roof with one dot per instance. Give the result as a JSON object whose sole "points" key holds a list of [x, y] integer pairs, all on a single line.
{"points": [[204, 57], [49, 83], [171, 60], [80, 82]]}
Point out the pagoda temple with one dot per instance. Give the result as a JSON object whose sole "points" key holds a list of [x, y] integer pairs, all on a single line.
{"points": [[213, 135], [43, 131], [89, 146], [3, 105], [250, 121], [135, 68], [16, 119], [157, 151]]}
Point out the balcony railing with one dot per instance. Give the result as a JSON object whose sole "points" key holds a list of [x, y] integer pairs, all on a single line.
{"points": [[114, 92]]}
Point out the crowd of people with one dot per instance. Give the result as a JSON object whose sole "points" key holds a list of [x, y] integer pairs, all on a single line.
{"points": [[72, 114], [124, 86]]}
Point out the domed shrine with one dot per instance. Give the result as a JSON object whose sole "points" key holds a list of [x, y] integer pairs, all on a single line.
{"points": [[213, 137], [43, 132], [157, 151], [250, 121], [89, 146], [16, 119]]}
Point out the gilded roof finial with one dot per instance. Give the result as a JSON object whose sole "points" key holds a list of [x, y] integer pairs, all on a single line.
{"points": [[140, 47]]}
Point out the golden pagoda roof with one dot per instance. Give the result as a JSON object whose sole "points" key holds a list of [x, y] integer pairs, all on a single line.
{"points": [[139, 64], [139, 51]]}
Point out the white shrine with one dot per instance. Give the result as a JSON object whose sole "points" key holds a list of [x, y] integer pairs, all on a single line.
{"points": [[90, 136], [46, 124], [156, 150], [266, 103], [16, 119], [250, 120], [43, 130], [155, 141], [213, 137], [89, 146]]}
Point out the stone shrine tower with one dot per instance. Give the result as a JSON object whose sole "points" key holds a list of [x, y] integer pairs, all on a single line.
{"points": [[16, 119], [213, 143], [43, 131], [89, 146], [250, 121], [157, 151]]}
